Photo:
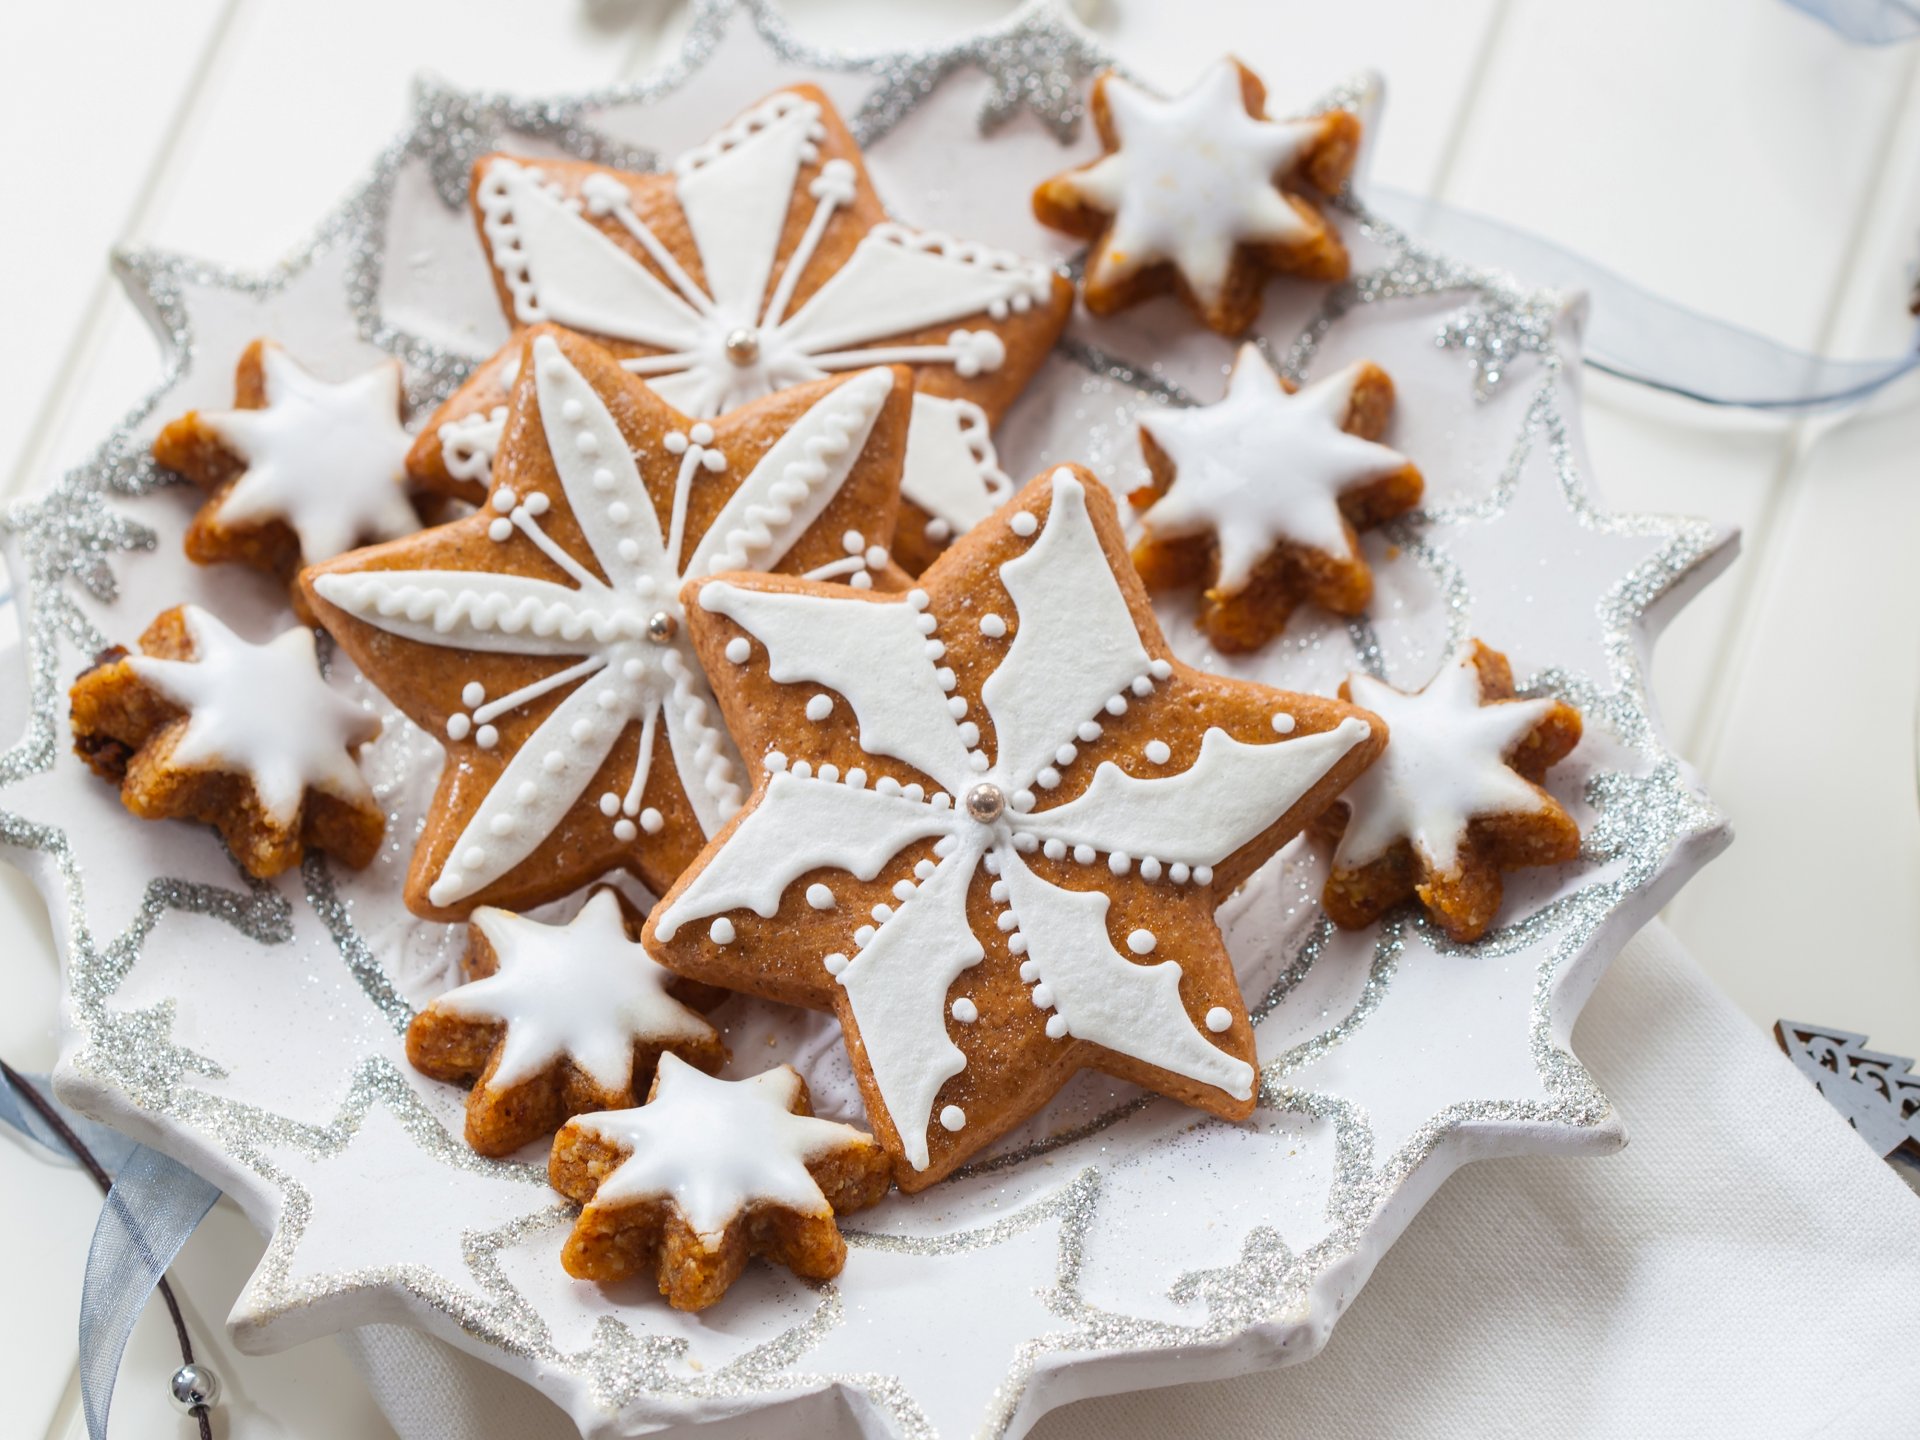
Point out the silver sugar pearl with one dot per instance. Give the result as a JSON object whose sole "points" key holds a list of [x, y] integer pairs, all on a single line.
{"points": [[662, 627], [743, 346], [193, 1387], [986, 803]]}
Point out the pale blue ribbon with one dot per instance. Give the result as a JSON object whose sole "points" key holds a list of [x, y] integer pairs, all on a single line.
{"points": [[154, 1205], [1866, 22], [1641, 336]]}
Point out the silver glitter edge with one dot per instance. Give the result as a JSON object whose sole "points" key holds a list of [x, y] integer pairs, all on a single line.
{"points": [[1037, 58]]}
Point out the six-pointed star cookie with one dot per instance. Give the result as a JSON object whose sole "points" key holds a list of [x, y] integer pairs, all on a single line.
{"points": [[555, 1021], [203, 725], [763, 259], [1199, 194], [707, 1173], [1455, 800], [1257, 497], [542, 638], [993, 819], [300, 470]]}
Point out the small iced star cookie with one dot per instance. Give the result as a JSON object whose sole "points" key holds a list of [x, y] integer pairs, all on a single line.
{"points": [[202, 725], [761, 258], [1200, 194], [300, 470], [1455, 800], [1257, 498], [542, 639], [707, 1173], [992, 820], [555, 1021]]}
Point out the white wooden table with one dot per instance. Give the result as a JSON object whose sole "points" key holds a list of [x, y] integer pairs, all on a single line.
{"points": [[1728, 153]]}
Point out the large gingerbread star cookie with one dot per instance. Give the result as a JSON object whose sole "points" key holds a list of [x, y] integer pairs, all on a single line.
{"points": [[762, 259], [541, 639], [992, 821], [1202, 195]]}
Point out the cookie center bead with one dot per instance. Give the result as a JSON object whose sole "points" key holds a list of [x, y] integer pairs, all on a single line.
{"points": [[986, 803], [662, 627], [743, 346]]}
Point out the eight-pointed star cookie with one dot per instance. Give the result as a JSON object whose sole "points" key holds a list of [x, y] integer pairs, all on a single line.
{"points": [[541, 639], [1200, 194], [1257, 497], [762, 259], [993, 819], [202, 725], [707, 1173], [1454, 801], [300, 470], [555, 1021]]}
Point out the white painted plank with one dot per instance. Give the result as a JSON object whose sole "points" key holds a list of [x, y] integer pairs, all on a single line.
{"points": [[78, 159], [1814, 913]]}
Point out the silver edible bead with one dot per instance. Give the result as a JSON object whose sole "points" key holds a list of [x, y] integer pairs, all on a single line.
{"points": [[193, 1387], [986, 803], [743, 346], [662, 627]]}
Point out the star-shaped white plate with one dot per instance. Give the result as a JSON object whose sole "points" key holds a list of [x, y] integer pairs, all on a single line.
{"points": [[254, 1030]]}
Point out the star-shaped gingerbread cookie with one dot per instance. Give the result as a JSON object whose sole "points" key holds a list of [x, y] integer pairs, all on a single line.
{"points": [[300, 470], [762, 259], [202, 725], [1455, 801], [1202, 195], [706, 1174], [542, 640], [1257, 498], [992, 821], [555, 1021]]}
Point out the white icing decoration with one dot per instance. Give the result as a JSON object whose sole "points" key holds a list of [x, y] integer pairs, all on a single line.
{"points": [[737, 192], [1191, 179], [721, 931], [1445, 764], [819, 896], [327, 460], [819, 707], [951, 470], [625, 677], [1076, 643], [953, 1117], [469, 443], [714, 1147], [582, 991], [992, 626], [1158, 752], [1262, 466], [1219, 1018], [1226, 798], [262, 712], [1127, 1007], [1142, 942]]}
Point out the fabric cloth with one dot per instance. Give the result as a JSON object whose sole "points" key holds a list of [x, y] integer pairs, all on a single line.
{"points": [[1746, 1265]]}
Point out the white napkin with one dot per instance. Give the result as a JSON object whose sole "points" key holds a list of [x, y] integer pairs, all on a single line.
{"points": [[1745, 1266]]}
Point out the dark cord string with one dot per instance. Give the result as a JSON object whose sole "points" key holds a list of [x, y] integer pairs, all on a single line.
{"points": [[105, 1181]]}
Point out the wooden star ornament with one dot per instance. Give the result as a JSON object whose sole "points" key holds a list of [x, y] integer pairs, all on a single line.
{"points": [[992, 821], [556, 1021], [542, 638], [761, 259], [1455, 801], [1202, 195]]}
